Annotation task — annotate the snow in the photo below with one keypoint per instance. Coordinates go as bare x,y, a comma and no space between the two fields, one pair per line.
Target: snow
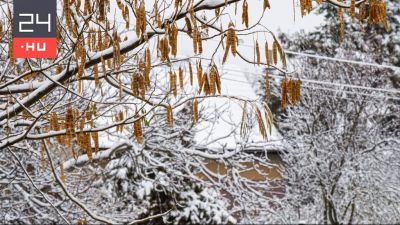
224,131
144,189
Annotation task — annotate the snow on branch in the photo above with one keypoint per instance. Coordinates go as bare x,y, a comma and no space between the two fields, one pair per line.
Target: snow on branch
105,154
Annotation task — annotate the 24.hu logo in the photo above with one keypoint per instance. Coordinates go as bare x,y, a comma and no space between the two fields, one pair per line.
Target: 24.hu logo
34,29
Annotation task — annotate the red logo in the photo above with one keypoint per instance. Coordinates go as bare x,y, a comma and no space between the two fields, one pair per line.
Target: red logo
35,47
34,29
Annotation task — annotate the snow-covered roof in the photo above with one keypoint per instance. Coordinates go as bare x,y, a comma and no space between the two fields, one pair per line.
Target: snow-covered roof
224,130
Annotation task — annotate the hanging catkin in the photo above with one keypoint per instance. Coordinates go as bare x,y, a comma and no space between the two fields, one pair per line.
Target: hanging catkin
284,87
352,11
188,25
281,54
199,74
266,4
42,156
257,49
267,55
275,52
170,117
199,43
206,85
147,69
212,81
54,123
231,42
101,10
96,75
194,39
195,111
140,19
233,39
261,125
120,119
87,8
190,73
180,71
172,82
138,130
69,124
173,39
245,14
218,80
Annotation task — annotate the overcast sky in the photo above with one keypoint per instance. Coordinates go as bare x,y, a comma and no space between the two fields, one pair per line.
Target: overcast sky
281,16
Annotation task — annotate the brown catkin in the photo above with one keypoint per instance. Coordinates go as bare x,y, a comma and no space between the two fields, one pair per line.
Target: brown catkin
140,19
217,79
195,111
233,39
69,124
42,155
147,69
195,42
173,39
212,81
284,87
267,55
298,90
199,43
275,52
172,82
281,54
120,119
352,11
87,9
199,75
101,9
341,23
170,116
54,123
89,118
177,4
164,49
257,49
245,14
231,42
188,25
261,125
180,78
190,73
138,130
266,4
96,76
206,85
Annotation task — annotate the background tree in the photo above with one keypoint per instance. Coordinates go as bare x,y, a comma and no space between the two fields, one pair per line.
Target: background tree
343,137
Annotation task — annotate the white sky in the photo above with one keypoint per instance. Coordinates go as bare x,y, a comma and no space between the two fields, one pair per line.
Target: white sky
281,16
